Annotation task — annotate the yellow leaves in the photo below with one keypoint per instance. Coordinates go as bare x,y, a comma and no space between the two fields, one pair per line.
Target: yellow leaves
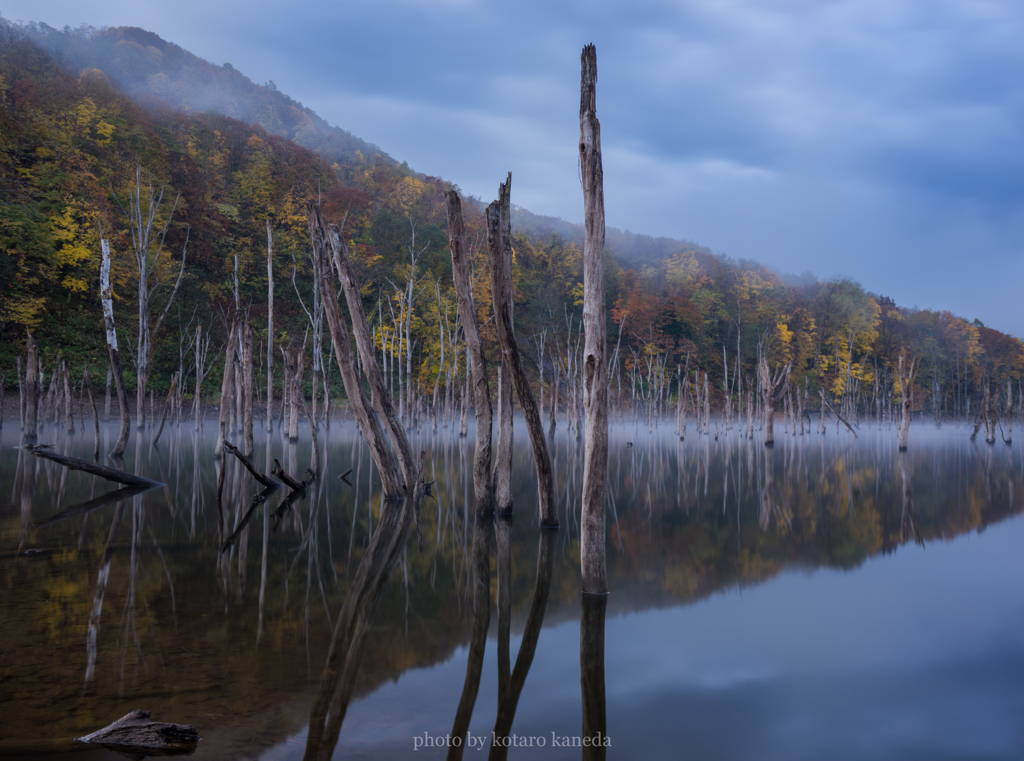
26,310
784,336
576,294
105,132
69,230
683,269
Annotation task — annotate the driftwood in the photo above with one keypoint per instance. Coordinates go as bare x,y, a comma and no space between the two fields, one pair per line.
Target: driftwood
268,482
111,474
138,733
595,360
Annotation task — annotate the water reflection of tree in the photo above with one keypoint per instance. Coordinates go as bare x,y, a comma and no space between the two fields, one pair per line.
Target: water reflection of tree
354,619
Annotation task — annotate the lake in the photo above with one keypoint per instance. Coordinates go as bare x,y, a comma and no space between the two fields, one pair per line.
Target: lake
826,598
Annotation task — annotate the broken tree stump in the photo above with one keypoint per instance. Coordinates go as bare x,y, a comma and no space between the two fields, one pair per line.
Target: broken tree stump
137,732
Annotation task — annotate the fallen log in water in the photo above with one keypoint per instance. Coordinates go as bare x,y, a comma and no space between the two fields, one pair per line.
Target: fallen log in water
111,474
135,732
268,482
290,482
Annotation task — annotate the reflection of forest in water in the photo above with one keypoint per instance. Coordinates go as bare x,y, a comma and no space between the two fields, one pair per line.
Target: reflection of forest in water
131,604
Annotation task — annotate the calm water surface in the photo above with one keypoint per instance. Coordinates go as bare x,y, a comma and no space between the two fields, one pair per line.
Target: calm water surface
825,599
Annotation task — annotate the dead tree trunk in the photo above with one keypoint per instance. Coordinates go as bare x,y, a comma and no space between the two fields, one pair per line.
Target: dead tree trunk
499,238
167,407
391,478
906,373
595,375
270,330
483,484
106,297
95,415
247,400
69,420
31,389
227,384
772,389
501,277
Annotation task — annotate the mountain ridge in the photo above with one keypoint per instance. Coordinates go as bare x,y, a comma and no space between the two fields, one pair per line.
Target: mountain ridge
147,66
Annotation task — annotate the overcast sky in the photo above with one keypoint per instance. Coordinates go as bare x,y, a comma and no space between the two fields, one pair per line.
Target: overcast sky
877,139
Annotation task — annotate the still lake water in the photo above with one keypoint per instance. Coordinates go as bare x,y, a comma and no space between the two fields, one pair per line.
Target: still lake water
824,599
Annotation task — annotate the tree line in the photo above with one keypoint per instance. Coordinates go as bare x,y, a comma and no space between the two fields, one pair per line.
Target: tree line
223,194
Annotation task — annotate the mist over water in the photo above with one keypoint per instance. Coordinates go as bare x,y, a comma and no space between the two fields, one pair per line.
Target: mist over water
827,597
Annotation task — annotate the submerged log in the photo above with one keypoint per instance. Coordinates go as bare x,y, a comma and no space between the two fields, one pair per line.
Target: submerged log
136,731
111,474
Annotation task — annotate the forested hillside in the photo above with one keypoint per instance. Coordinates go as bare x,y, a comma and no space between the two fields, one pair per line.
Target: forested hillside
71,140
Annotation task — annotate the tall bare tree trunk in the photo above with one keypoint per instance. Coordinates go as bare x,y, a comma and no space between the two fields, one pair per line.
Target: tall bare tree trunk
595,375
483,484
115,358
499,238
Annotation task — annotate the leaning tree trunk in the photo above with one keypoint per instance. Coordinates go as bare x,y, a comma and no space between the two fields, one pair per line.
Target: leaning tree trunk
499,238
595,376
365,346
369,424
483,484
115,358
